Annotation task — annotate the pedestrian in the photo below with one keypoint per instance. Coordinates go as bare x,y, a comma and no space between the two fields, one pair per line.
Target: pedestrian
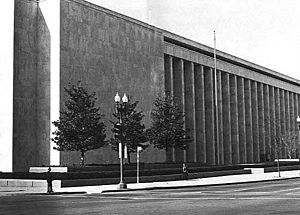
49,181
185,172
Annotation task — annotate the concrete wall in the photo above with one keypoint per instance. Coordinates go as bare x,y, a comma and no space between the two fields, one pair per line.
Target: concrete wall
31,98
6,85
110,53
254,104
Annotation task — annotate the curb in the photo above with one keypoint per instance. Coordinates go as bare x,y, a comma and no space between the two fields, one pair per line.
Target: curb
57,193
191,186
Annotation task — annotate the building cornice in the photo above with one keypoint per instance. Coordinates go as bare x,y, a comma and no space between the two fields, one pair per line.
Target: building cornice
194,46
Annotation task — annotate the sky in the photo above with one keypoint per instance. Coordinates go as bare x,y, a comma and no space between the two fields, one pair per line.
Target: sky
264,32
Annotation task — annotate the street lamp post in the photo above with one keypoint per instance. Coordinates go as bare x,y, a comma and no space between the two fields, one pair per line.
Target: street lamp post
120,110
298,125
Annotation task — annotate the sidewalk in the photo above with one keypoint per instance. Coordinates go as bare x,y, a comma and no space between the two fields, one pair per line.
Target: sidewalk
221,180
231,179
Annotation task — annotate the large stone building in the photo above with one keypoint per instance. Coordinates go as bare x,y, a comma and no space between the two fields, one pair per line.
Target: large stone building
60,42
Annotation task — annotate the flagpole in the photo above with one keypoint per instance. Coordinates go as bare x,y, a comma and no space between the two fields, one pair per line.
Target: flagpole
216,100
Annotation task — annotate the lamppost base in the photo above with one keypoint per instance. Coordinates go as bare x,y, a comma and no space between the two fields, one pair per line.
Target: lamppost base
122,186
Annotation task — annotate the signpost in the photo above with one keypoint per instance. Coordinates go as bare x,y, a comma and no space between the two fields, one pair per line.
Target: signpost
139,149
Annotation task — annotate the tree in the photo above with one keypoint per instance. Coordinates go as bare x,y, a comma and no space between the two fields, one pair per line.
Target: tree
285,140
288,142
80,126
167,129
133,132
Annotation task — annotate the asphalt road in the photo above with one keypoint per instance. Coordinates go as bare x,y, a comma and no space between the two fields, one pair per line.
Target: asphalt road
276,197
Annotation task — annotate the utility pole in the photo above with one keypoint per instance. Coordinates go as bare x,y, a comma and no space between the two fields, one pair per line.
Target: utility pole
216,99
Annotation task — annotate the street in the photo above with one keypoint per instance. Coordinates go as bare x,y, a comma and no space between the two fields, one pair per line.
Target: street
274,197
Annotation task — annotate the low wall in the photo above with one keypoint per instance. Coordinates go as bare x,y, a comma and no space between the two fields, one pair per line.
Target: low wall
28,183
255,170
45,169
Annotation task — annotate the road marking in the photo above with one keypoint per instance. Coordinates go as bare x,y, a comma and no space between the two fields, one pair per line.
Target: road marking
291,189
261,187
250,188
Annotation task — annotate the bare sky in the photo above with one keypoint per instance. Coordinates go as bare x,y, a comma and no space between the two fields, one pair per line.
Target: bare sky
265,32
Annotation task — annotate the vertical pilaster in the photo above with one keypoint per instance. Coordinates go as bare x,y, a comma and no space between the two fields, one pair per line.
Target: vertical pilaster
209,115
178,96
272,121
248,118
241,120
234,118
261,122
189,98
168,68
296,115
292,114
200,114
277,122
295,109
255,132
298,95
226,118
267,122
287,118
220,118
298,98
292,124
282,120
287,110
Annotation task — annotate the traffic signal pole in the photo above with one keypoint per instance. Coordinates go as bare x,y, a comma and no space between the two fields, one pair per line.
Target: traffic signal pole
120,109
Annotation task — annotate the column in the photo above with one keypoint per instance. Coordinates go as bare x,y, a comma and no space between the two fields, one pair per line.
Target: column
261,122
234,119
255,132
293,127
200,114
277,122
267,122
298,98
178,85
168,68
272,121
298,95
287,120
226,118
189,98
216,116
241,120
220,118
248,117
209,115
282,120
296,113
295,108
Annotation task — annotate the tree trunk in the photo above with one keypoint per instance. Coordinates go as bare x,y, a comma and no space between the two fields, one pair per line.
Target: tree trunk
128,157
82,158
